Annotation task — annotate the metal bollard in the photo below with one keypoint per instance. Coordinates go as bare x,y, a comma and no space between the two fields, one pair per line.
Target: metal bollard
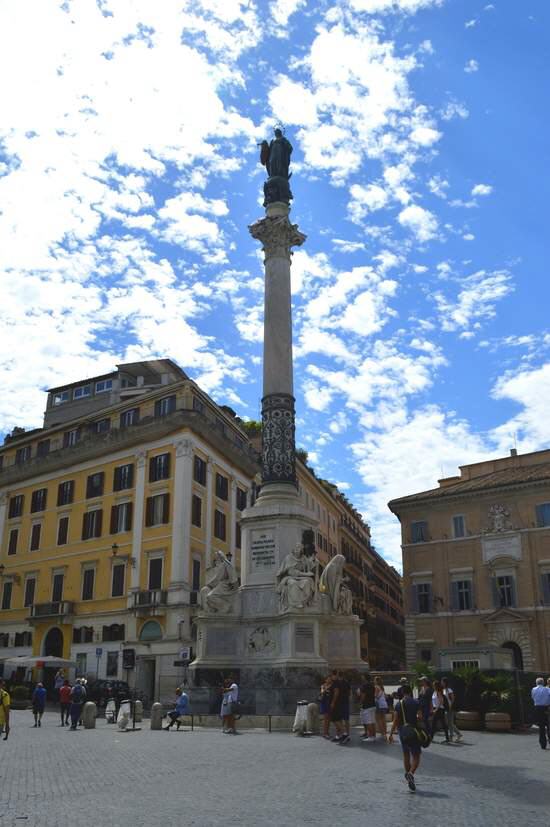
156,716
138,711
89,715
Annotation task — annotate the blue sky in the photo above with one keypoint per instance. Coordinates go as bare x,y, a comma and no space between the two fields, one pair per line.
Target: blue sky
129,174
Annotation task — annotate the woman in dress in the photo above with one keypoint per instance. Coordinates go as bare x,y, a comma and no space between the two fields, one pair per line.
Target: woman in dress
440,706
381,707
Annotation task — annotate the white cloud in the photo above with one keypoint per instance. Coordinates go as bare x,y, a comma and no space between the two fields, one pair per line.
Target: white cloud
482,189
475,301
346,246
425,136
365,200
378,6
471,23
454,109
282,10
471,66
438,186
421,222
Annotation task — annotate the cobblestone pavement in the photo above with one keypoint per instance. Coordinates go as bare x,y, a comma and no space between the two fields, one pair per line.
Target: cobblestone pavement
52,776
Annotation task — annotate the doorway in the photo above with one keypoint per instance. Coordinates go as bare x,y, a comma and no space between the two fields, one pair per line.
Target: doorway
517,655
145,679
52,646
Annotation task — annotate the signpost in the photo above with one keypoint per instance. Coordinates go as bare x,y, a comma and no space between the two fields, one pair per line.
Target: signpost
98,653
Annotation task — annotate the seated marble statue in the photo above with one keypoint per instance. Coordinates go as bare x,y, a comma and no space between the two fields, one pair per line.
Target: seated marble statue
333,582
296,580
221,587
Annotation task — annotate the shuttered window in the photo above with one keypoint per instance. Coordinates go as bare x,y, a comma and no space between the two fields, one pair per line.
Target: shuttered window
157,510
121,518
92,524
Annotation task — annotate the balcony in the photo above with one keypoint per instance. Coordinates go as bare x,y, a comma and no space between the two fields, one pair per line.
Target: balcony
59,610
150,602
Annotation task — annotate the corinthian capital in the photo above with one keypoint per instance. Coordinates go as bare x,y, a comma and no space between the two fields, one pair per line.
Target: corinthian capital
277,235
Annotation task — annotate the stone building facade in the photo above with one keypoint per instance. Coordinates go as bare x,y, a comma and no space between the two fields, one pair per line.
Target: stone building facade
476,566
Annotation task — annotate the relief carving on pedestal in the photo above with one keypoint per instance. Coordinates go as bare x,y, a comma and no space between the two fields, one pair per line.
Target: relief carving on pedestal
260,641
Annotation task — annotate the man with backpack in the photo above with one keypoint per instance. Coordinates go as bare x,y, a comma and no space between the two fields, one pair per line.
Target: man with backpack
406,718
78,696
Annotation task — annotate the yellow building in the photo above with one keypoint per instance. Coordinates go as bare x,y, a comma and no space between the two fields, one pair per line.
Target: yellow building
106,518
476,566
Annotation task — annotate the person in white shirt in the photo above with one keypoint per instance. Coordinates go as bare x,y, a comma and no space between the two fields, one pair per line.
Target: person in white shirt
231,703
541,698
450,713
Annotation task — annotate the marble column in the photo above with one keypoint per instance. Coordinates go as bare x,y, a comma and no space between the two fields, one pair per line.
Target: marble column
139,505
181,521
277,236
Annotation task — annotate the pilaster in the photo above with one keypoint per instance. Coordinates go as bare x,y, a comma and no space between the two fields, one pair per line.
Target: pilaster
181,522
137,535
210,494
3,512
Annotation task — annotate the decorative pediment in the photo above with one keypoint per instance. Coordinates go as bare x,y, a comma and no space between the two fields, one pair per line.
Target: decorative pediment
507,616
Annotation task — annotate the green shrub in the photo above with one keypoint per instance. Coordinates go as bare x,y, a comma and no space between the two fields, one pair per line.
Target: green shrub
20,693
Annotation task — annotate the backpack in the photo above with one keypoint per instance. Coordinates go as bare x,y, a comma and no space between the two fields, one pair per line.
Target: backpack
412,735
77,693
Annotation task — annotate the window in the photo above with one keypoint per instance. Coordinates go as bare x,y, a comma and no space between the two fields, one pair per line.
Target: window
165,406
57,587
102,426
22,639
419,531
130,417
196,576
464,664
157,510
6,594
222,487
426,655
65,493
543,515
16,505
117,585
62,531
91,524
461,595
198,405
83,634
36,530
30,587
94,485
504,591
241,499
81,662
23,455
155,573
238,535
159,467
196,511
61,397
123,477
103,385
82,391
12,544
43,448
71,437
199,470
422,598
38,500
112,665
121,518
459,528
88,578
219,524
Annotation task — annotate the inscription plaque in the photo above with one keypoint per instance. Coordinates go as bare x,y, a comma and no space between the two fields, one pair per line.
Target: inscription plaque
263,547
501,546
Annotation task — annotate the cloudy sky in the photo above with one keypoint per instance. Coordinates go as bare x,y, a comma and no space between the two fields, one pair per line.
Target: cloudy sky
129,174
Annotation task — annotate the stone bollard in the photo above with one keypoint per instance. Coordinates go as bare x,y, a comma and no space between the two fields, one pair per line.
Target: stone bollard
313,718
89,715
138,711
156,716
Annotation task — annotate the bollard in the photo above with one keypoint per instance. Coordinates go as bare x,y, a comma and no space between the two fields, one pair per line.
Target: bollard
138,713
89,715
156,716
313,718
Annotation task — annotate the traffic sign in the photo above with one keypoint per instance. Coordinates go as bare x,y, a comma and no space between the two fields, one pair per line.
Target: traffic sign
98,652
185,653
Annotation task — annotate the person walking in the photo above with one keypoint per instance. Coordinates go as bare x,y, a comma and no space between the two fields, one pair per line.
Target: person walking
181,708
58,682
368,709
440,707
38,703
425,700
5,702
65,702
324,705
345,706
541,698
381,707
450,713
233,705
406,714
336,707
78,696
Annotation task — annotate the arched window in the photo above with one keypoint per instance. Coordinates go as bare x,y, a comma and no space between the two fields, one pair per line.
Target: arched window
151,631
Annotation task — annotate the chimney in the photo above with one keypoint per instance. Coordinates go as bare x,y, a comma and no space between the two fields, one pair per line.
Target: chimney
513,452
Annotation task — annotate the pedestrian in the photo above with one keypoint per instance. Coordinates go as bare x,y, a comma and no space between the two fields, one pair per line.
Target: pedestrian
78,696
541,698
84,685
381,707
450,714
234,704
5,702
367,700
440,707
425,700
336,716
345,688
402,682
406,714
65,702
38,703
58,682
181,708
324,705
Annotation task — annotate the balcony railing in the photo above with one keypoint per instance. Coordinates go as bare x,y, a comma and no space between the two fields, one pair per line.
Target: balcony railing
58,609
150,598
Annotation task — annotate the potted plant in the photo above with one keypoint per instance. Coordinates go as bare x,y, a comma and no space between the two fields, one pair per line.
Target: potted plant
497,699
20,697
473,682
